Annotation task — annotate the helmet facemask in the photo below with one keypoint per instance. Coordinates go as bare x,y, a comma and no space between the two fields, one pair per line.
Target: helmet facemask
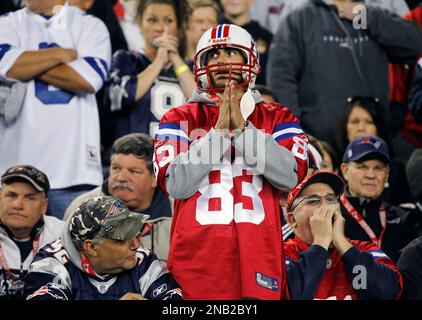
248,70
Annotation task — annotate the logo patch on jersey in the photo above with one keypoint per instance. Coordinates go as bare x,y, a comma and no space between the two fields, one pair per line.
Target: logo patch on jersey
328,264
266,281
92,154
161,289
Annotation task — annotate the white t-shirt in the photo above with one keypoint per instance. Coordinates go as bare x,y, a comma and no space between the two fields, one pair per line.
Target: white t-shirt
57,131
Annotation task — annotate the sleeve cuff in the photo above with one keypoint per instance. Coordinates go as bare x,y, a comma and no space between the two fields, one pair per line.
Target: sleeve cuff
350,256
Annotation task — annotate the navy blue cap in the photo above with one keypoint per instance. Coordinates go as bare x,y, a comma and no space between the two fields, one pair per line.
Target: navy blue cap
364,146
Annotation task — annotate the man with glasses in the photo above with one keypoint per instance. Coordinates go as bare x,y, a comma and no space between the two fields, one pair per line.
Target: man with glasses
366,169
99,257
321,262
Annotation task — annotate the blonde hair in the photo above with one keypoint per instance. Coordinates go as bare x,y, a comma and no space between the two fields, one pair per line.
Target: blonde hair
195,4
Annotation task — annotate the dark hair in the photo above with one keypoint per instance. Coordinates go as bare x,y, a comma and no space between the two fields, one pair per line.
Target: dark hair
263,90
138,144
182,11
377,113
333,154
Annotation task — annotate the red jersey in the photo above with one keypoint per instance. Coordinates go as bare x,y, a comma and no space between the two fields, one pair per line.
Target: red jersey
336,283
226,237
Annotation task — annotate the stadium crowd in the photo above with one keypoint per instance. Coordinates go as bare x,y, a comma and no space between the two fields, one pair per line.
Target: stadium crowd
267,149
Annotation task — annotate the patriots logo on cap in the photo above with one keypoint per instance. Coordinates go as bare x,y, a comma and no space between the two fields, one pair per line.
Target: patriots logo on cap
376,144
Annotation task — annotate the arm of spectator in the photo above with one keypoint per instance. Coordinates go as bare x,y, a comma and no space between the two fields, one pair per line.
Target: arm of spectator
94,55
415,97
17,64
409,265
31,64
262,152
65,77
378,276
305,274
47,279
185,76
284,64
177,159
156,282
281,155
401,39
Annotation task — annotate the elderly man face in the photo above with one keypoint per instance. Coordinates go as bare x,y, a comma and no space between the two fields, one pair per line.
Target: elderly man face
109,256
366,179
131,181
21,207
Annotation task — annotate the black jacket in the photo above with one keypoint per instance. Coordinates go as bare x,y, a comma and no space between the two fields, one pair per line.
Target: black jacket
410,266
400,230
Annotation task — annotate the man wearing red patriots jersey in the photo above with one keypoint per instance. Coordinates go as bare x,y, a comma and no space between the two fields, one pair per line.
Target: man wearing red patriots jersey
224,156
321,262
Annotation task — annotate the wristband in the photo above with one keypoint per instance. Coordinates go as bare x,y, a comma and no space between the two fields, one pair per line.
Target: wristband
181,69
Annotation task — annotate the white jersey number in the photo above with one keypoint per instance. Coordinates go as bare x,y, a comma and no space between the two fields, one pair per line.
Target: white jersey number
164,96
48,94
228,210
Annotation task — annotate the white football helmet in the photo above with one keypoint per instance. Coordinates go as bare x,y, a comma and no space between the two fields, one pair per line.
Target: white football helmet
221,36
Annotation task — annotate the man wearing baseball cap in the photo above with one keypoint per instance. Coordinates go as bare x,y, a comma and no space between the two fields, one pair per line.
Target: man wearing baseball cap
321,262
366,168
24,227
99,257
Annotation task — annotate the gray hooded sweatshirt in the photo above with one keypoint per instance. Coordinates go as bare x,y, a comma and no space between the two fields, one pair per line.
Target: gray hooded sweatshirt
318,60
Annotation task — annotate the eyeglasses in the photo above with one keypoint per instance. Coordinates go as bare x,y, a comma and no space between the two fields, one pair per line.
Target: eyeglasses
372,99
316,200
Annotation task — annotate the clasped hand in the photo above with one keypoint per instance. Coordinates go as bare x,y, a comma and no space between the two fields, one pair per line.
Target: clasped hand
229,116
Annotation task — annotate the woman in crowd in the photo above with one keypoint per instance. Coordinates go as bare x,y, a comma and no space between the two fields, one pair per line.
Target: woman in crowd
365,116
144,85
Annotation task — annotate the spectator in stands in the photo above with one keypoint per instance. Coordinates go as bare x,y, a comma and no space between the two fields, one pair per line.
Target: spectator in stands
308,61
226,174
24,227
404,120
63,57
266,94
321,262
329,158
237,12
410,263
270,13
414,175
100,258
144,85
103,10
132,180
126,13
366,167
315,153
204,14
415,103
364,116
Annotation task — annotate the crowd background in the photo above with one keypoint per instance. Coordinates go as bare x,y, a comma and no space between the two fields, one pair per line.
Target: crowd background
341,82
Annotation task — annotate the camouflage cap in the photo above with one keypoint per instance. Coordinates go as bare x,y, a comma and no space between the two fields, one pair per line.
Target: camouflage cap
107,217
